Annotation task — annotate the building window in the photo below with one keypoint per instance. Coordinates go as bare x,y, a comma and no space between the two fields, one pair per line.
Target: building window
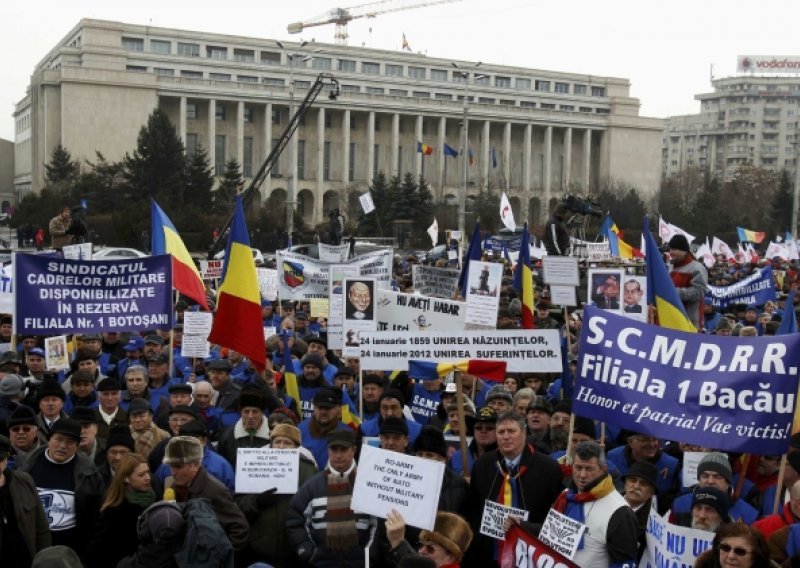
328,119
270,58
443,97
246,55
351,89
326,161
508,102
578,89
504,82
548,106
301,159
602,111
136,68
416,72
321,63
353,122
248,114
598,91
543,86
420,94
347,65
486,100
192,74
370,68
568,108
377,123
163,72
523,84
274,82
438,75
189,49
393,70
220,111
219,154
133,43
191,144
276,117
374,90
160,46
398,93
459,78
351,162
247,157
399,160
585,109
376,151
302,84
483,81
219,76
562,88
216,52
247,78
191,111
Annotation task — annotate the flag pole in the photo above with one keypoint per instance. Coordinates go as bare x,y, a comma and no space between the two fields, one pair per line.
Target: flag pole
462,430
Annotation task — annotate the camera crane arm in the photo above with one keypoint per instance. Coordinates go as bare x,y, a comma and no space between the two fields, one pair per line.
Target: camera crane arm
323,80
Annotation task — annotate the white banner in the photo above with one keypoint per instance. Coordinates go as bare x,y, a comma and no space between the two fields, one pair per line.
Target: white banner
522,349
82,251
768,64
211,269
195,346
359,313
337,273
412,312
483,292
333,253
259,469
268,283
436,282
673,545
197,323
506,213
366,203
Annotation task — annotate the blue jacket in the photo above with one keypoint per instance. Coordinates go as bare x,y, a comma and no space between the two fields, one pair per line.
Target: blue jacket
669,470
317,446
371,428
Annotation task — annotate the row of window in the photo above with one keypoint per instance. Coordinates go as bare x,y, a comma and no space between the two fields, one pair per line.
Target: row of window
23,123
164,47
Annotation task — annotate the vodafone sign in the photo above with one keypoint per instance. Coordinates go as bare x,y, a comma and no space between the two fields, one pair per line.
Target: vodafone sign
768,64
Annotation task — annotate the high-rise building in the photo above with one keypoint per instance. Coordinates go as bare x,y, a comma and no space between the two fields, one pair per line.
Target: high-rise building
534,134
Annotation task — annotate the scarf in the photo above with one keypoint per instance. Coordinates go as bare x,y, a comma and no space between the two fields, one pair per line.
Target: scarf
318,432
144,441
510,494
571,501
340,520
142,499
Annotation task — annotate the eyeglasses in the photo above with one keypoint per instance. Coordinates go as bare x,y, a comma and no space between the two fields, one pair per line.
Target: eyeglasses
484,427
738,551
23,429
426,547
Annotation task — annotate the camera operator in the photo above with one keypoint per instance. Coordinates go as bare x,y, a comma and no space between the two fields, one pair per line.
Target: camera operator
556,236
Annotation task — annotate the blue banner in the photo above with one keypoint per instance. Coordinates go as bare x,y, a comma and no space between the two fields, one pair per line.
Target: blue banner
755,289
513,244
55,296
735,394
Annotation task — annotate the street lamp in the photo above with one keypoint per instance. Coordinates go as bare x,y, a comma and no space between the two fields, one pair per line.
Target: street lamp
292,189
462,198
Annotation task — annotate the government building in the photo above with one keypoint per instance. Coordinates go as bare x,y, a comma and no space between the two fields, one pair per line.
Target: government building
747,119
536,135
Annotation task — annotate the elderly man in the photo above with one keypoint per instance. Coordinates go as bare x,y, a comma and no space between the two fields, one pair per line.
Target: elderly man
499,399
82,392
109,413
69,485
219,375
709,509
138,388
538,419
322,528
145,433
359,305
525,478
640,487
642,447
318,345
611,533
51,406
118,445
372,388
310,381
23,433
190,480
214,463
689,276
89,445
251,430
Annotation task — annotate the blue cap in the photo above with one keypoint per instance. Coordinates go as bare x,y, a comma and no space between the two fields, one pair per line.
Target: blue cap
752,308
266,303
38,351
134,343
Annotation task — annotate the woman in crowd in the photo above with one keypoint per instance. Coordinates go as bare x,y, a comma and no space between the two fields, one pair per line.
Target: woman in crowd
445,545
736,545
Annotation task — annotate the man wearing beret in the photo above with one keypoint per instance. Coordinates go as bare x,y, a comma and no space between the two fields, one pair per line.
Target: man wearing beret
325,418
641,484
689,276
69,486
251,430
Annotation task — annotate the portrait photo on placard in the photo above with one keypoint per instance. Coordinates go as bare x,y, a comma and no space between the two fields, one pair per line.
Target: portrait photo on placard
360,300
634,297
605,287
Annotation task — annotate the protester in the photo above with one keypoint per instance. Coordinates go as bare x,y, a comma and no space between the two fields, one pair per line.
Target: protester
445,545
736,545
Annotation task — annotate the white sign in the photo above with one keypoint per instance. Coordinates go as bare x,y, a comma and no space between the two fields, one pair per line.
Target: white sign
333,253
388,480
634,297
522,349
436,282
561,270
55,352
366,203
337,274
359,313
195,346
412,312
563,295
689,471
197,323
768,64
494,515
595,252
82,251
259,469
211,269
268,283
483,292
671,544
561,533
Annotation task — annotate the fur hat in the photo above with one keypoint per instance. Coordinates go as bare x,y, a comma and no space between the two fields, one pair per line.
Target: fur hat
83,354
431,439
679,242
183,449
253,398
395,394
499,392
718,463
120,436
394,425
50,388
451,532
286,431
585,426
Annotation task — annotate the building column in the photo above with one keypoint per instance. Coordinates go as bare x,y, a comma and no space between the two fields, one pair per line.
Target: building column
567,157
318,199
266,148
240,134
507,155
485,150
370,146
547,169
440,181
587,157
604,163
418,155
395,144
182,121
526,173
212,134
346,147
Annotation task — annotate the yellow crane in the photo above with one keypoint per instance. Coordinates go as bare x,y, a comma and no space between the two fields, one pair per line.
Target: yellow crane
341,16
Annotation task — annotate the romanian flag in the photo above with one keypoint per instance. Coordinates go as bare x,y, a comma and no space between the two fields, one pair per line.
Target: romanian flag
289,378
424,149
237,324
661,292
429,370
523,279
747,236
473,253
349,411
619,248
165,240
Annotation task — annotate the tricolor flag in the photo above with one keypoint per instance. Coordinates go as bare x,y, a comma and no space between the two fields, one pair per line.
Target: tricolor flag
523,279
748,236
619,248
166,240
450,151
349,410
289,378
424,149
484,369
661,292
506,213
237,324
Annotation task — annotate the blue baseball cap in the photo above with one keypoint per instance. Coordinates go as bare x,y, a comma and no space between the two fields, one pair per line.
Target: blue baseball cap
38,351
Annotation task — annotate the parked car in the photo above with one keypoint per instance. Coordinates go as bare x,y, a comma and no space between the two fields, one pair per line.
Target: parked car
258,257
117,253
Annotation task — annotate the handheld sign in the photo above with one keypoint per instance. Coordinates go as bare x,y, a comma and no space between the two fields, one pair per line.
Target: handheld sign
259,469
494,515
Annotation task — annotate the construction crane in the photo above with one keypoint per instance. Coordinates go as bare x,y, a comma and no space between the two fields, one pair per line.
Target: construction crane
340,16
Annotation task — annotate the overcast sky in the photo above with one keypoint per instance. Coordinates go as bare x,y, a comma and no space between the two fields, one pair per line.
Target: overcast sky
665,49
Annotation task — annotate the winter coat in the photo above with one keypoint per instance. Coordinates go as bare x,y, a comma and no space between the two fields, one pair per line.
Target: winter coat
31,519
235,437
115,534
